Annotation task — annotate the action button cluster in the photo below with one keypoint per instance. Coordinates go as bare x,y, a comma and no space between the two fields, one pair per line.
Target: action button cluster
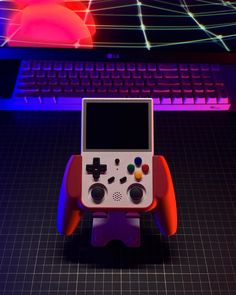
138,174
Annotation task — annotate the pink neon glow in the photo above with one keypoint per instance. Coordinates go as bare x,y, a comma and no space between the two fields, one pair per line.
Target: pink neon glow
51,23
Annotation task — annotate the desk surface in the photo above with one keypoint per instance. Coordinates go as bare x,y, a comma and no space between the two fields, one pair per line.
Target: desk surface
200,259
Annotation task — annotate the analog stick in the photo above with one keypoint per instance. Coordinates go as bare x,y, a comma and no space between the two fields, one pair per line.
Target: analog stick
136,194
97,193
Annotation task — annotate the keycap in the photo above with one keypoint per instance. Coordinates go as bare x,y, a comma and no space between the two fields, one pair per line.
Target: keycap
113,89
72,74
223,100
68,66
62,74
135,90
130,67
188,100
120,66
50,74
47,66
211,100
75,82
79,66
100,67
124,89
46,89
96,82
152,67
52,81
168,67
141,67
83,74
171,75
62,81
117,82
68,89
136,75
108,82
166,100
115,75
146,90
89,66
177,100
94,75
25,65
91,89
200,100
85,82
147,75
139,82
57,89
57,66
28,88
41,81
183,67
129,83
36,65
187,89
110,66
105,75
27,73
194,67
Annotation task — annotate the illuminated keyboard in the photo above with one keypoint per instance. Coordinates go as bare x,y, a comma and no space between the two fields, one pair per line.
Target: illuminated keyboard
60,85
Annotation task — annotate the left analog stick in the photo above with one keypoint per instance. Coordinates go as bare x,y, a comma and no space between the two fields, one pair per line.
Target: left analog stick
98,193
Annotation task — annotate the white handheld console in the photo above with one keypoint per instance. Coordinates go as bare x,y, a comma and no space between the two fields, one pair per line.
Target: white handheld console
117,153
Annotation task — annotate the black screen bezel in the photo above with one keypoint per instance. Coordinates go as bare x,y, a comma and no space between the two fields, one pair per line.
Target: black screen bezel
99,101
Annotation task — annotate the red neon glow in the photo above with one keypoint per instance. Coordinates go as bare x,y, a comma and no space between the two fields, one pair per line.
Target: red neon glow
51,23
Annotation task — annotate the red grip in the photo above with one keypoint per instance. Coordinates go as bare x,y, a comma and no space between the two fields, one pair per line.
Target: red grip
69,214
165,212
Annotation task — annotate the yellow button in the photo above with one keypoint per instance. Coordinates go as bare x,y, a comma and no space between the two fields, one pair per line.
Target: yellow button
138,175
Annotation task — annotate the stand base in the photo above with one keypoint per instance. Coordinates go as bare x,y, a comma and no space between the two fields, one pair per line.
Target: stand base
116,226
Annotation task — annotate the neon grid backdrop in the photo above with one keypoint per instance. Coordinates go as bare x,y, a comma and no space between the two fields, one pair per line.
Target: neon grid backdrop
192,25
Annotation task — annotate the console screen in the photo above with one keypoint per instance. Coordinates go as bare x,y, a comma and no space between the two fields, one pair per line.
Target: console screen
118,126
173,25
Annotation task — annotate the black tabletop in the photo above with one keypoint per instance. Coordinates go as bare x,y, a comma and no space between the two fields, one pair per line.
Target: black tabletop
200,148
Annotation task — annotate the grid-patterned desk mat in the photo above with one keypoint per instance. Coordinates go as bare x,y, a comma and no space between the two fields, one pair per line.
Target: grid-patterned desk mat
35,259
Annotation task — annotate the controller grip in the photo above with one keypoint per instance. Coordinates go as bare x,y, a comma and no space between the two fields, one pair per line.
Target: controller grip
69,214
165,213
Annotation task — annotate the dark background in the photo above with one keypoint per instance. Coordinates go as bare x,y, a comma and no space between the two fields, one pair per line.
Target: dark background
168,27
200,259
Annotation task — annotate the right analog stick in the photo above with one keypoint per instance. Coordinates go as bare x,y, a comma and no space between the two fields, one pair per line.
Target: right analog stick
97,193
136,194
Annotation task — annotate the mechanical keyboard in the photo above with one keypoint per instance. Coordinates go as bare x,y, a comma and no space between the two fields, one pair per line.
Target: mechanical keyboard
60,85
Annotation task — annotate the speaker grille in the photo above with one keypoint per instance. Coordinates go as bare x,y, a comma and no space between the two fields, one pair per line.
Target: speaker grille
117,196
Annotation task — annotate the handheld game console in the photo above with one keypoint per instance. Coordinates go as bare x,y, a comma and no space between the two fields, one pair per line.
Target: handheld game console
117,177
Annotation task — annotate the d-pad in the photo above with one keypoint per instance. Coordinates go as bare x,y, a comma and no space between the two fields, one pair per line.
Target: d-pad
96,168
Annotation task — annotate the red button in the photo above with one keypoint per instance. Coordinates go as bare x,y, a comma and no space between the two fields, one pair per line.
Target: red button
145,168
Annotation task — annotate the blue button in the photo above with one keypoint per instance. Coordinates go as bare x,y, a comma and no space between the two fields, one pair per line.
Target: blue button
138,161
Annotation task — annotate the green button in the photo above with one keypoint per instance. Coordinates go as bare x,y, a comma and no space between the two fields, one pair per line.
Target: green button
130,168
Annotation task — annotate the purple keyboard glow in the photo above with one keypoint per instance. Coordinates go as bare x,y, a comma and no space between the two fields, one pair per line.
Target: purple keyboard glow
57,85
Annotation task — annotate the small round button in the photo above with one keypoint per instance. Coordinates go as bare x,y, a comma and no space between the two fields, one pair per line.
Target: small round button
145,168
117,161
130,168
136,194
97,193
138,175
138,161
